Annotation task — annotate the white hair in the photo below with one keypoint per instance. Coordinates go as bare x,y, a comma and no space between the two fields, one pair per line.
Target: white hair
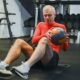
49,7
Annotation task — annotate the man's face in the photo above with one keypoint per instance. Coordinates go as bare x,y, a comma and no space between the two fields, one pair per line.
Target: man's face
49,16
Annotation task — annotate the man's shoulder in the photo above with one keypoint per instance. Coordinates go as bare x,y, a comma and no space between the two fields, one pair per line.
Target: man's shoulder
59,24
40,23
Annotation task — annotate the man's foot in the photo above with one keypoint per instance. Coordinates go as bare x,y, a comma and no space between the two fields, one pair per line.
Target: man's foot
4,73
21,71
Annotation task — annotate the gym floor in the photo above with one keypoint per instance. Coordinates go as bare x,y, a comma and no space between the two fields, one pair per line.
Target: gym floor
71,57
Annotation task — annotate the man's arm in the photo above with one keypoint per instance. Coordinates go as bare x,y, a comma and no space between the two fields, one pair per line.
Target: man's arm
37,35
65,45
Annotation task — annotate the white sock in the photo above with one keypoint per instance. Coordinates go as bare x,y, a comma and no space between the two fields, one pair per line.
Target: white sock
4,64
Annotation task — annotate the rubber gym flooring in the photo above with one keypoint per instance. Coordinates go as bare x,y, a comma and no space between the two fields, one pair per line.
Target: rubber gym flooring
71,57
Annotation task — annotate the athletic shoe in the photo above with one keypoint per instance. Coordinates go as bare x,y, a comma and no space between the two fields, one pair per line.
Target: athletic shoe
20,71
4,70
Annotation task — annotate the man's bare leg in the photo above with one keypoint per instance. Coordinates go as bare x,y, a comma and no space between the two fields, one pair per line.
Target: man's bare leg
38,53
15,51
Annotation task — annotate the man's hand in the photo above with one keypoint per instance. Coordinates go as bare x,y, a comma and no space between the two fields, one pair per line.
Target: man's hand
48,34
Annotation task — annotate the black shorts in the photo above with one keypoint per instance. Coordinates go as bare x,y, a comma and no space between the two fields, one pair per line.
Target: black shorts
51,65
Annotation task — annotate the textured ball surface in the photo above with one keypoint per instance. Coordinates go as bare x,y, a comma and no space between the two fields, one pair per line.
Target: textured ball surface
58,36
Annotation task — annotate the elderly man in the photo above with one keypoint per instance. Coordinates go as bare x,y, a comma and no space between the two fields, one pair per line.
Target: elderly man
46,53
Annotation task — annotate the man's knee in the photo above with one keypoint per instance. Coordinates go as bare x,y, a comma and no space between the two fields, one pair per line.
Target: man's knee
19,42
43,40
